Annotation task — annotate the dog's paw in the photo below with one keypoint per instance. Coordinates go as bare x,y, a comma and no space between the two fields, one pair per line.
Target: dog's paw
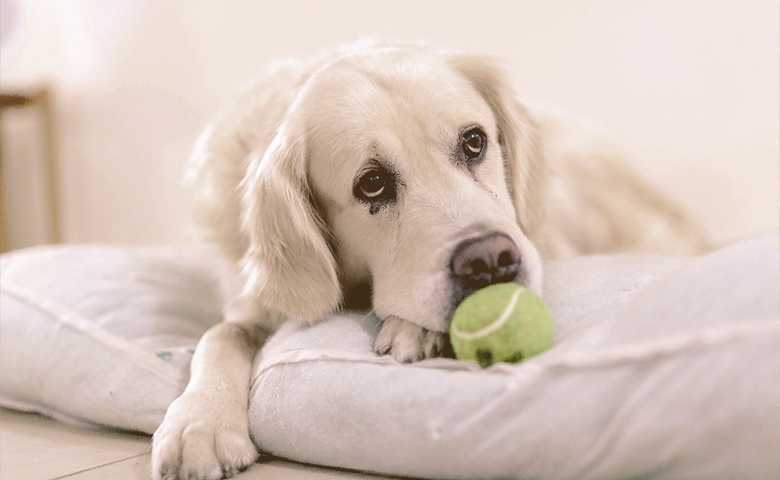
200,439
407,342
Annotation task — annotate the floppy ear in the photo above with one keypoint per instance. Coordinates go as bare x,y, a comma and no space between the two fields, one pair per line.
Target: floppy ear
516,135
288,266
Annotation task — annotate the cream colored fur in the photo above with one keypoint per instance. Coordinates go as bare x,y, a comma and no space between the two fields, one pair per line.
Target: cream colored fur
275,175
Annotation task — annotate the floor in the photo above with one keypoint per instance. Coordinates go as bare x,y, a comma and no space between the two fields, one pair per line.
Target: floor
33,447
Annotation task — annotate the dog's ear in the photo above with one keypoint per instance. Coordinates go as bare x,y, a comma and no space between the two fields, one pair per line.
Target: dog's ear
288,266
516,135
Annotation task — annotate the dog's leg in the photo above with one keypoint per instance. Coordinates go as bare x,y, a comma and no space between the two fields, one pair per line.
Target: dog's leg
205,433
407,342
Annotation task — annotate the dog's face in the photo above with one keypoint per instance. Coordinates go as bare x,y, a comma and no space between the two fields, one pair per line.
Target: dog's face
418,179
405,166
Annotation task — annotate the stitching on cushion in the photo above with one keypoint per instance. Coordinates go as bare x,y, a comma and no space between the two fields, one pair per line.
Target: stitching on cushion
581,358
638,352
75,320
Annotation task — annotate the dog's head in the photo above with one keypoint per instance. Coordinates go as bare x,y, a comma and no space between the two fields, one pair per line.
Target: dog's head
402,168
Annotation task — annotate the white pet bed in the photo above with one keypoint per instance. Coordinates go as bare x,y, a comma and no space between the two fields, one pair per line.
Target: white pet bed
662,368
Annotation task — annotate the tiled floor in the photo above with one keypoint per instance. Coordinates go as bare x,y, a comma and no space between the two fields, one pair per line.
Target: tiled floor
33,447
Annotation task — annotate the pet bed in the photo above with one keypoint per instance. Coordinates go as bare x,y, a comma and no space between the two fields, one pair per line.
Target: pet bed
663,367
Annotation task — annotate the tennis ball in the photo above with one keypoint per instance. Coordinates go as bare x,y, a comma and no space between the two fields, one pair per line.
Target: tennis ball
504,322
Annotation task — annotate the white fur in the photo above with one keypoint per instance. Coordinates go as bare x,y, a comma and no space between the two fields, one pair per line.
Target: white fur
275,174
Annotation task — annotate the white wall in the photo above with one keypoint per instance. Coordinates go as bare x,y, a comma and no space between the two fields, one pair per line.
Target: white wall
694,84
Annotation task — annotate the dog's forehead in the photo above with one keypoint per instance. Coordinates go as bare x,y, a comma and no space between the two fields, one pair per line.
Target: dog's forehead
393,105
371,90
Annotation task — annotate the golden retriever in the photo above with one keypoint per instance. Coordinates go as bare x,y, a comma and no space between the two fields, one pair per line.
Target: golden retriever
396,177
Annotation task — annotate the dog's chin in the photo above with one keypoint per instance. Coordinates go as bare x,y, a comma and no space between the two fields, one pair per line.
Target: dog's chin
436,302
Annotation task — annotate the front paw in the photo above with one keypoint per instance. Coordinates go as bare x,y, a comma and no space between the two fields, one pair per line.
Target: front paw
407,342
202,439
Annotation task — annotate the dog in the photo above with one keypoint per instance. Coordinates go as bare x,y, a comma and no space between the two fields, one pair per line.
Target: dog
396,177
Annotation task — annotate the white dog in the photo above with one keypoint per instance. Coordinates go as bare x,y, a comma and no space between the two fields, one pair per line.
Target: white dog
392,176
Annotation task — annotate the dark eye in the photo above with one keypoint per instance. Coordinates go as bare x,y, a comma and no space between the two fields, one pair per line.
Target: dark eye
473,142
375,186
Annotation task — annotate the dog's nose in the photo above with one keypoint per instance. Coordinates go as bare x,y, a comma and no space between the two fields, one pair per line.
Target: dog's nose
483,261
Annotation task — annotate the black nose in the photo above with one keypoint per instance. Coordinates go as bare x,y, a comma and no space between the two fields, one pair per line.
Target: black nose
483,261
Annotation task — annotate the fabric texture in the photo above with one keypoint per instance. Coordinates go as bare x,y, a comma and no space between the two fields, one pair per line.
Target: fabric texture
102,335
662,367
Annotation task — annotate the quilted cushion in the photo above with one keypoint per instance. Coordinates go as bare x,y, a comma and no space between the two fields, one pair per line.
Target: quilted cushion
662,367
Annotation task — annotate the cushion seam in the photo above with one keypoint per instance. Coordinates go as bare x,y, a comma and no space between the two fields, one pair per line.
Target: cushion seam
65,315
581,358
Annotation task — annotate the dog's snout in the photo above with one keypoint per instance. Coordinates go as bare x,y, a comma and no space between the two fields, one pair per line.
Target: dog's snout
483,261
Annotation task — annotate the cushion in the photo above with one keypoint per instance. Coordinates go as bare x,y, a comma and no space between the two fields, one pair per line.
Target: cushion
662,367
101,334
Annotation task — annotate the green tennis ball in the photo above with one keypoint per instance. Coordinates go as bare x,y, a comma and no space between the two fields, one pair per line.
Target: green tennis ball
504,322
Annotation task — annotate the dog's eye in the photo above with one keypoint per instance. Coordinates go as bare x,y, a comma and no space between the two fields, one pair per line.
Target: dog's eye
473,142
372,185
375,186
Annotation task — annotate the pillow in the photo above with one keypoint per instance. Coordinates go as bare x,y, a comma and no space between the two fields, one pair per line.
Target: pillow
102,334
662,367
